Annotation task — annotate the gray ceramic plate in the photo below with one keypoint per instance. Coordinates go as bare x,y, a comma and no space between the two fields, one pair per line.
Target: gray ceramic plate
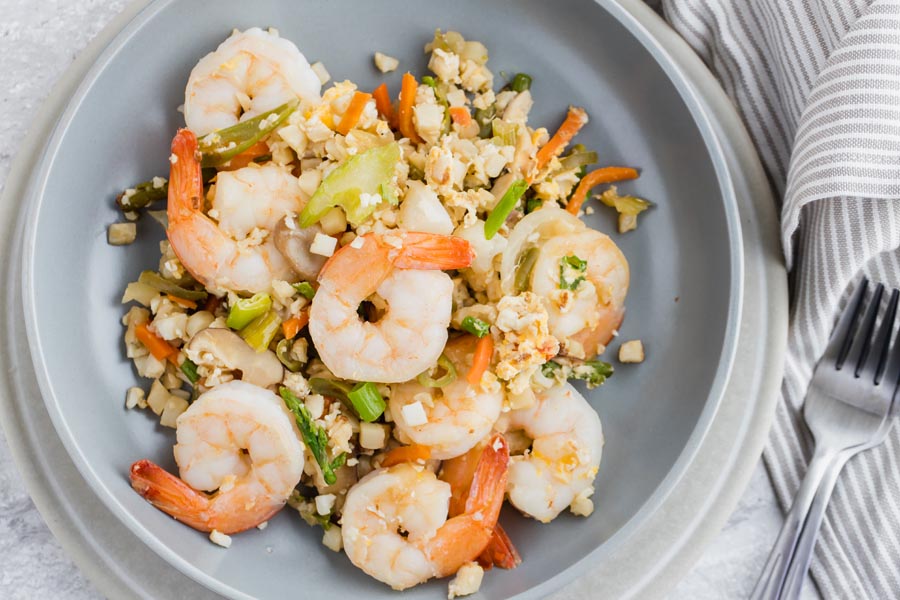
116,131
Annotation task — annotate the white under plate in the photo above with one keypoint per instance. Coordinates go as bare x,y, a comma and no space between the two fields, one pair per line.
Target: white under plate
646,565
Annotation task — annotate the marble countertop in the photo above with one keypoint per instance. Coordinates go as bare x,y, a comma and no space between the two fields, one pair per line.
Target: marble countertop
38,41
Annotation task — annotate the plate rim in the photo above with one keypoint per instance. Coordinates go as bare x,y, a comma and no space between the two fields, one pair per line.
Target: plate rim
661,492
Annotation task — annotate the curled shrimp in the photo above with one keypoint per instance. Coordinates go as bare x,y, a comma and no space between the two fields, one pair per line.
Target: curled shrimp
236,253
251,72
403,270
459,414
395,523
564,456
585,319
238,439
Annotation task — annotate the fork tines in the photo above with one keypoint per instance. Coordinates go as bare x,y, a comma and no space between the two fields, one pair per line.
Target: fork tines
852,341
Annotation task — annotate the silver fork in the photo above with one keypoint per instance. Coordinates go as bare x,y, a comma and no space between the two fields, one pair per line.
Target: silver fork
848,409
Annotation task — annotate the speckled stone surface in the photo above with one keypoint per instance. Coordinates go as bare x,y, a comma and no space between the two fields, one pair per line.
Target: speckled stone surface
38,41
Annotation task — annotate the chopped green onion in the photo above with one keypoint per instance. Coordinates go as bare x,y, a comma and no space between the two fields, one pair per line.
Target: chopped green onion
484,117
142,195
262,330
157,281
506,205
577,159
443,363
189,368
333,388
571,272
504,132
306,289
221,146
367,401
475,326
532,204
246,309
521,82
524,268
429,81
594,372
283,352
314,436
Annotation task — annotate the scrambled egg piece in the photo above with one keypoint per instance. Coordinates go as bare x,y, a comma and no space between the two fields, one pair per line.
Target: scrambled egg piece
524,343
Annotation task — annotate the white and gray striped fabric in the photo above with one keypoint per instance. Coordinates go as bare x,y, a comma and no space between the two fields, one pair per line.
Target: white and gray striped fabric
818,85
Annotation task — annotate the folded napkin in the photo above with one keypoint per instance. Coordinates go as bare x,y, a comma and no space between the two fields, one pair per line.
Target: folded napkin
817,83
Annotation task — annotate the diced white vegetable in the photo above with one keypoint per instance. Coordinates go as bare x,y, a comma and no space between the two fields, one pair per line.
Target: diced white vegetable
140,293
149,366
158,397
121,234
386,63
631,352
429,119
135,398
334,221
174,407
421,210
445,65
321,72
332,538
315,404
220,539
323,245
309,181
198,321
414,414
324,503
372,436
172,326
518,108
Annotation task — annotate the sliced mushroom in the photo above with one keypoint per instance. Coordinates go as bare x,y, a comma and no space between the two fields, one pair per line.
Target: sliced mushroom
294,242
259,368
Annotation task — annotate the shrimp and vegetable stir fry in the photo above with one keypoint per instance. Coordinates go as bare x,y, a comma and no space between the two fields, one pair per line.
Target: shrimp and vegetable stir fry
369,306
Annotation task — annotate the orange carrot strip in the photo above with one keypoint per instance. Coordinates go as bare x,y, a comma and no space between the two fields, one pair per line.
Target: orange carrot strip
460,115
576,118
182,301
353,113
402,454
246,157
292,326
383,104
405,110
158,347
595,178
482,359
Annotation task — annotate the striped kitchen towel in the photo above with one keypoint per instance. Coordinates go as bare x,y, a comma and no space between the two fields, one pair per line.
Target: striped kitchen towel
818,85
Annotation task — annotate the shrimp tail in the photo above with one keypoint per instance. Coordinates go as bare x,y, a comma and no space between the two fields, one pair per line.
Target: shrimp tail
433,251
464,537
500,551
185,176
170,494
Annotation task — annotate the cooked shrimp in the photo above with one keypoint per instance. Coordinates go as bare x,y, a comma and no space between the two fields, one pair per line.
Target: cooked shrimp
238,439
564,456
584,320
236,253
459,414
403,269
248,74
395,525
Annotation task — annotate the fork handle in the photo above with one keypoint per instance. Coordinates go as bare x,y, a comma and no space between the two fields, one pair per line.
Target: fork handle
770,582
803,552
